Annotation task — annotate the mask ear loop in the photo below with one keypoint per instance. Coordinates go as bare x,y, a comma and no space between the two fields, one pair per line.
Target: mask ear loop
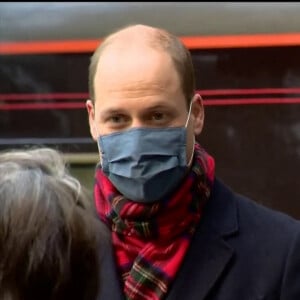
192,156
186,123
98,144
189,114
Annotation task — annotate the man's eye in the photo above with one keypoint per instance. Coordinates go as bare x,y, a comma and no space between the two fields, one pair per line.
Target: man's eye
117,119
157,116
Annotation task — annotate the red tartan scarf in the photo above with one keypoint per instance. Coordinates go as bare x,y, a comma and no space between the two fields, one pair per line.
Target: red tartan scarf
150,240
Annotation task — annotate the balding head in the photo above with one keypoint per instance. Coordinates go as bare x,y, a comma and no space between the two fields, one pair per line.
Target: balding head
139,37
138,34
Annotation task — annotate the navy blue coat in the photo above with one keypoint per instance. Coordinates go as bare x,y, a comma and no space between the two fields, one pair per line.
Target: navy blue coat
240,251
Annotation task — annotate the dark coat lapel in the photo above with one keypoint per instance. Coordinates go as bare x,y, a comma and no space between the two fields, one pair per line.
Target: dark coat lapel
109,285
209,254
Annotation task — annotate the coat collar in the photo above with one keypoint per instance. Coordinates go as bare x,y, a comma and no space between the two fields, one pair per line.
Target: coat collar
221,212
209,253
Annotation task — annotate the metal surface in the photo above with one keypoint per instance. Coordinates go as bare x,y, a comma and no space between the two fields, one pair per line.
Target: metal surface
76,20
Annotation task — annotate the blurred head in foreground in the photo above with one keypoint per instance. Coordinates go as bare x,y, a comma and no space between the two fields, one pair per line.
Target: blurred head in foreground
48,230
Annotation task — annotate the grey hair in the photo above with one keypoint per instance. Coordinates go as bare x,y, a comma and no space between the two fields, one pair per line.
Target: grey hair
40,162
47,228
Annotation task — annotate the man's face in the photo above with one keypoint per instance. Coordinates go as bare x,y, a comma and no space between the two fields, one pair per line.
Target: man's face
139,87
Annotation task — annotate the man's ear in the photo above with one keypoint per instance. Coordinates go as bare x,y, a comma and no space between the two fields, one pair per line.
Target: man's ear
198,114
91,114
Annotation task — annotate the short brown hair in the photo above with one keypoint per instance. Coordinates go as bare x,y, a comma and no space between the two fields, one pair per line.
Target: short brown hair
161,40
48,229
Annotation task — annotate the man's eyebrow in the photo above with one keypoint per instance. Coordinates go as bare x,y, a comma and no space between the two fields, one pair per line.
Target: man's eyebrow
150,108
112,111
159,106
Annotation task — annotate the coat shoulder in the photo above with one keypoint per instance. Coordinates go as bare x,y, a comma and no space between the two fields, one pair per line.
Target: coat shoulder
233,210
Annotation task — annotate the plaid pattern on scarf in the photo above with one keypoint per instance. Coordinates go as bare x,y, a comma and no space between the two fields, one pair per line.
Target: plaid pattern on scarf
151,240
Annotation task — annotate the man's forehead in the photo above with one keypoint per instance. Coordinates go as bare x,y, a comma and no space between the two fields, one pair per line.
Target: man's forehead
124,50
135,67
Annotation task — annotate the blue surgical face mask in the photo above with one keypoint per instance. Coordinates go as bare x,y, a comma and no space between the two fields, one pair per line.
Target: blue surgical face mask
145,164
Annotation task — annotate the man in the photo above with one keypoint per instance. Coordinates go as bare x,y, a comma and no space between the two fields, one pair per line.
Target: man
177,231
